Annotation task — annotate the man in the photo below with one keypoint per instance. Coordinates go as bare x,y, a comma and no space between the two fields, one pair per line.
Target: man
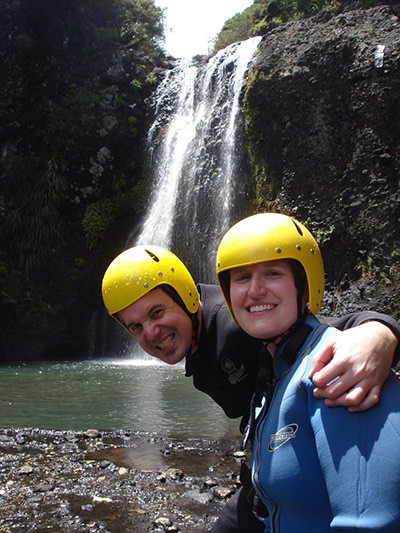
150,292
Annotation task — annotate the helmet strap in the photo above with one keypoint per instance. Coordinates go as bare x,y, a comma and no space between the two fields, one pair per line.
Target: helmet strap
282,337
195,332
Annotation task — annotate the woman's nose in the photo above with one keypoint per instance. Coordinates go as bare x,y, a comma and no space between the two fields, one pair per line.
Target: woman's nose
257,286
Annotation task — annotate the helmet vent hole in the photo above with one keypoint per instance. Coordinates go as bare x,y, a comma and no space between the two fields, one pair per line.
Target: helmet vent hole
298,228
153,256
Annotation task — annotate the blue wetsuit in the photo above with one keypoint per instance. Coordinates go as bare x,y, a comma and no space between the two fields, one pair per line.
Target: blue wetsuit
320,469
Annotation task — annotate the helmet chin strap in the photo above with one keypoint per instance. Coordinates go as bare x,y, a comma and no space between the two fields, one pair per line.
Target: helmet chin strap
289,332
195,334
195,331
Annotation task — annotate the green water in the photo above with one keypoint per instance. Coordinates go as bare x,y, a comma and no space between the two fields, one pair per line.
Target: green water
134,395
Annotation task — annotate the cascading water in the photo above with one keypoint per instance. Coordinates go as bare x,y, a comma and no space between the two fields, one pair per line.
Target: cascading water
198,171
195,157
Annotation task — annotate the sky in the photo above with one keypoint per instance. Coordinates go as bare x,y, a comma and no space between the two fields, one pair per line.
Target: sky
191,25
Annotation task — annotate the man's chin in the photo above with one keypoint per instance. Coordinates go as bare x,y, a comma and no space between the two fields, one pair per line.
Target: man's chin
172,360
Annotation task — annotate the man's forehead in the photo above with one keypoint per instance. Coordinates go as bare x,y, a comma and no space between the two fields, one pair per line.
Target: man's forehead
151,298
147,302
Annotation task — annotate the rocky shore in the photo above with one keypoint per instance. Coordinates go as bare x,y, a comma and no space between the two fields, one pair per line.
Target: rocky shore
114,481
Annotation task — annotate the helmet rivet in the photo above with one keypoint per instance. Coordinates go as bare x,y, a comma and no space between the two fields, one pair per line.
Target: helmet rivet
172,269
278,250
145,284
298,247
159,273
312,251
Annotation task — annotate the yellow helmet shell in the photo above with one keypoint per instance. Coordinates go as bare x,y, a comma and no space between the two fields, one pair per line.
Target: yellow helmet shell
140,269
268,237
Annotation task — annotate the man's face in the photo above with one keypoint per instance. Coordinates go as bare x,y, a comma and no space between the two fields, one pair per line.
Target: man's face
160,325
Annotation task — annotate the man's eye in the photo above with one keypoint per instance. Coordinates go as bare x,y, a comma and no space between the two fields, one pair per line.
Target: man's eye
157,313
135,329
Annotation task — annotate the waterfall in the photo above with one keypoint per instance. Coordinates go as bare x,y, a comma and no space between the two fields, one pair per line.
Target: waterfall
196,161
197,168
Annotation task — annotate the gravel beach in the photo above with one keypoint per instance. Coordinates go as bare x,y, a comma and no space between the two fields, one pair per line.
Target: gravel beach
63,481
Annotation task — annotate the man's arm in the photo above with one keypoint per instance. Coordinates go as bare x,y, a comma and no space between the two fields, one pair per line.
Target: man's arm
352,365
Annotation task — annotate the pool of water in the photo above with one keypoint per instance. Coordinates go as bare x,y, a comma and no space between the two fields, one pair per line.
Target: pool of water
128,394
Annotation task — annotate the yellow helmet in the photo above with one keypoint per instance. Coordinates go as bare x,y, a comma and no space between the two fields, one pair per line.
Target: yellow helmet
138,270
267,237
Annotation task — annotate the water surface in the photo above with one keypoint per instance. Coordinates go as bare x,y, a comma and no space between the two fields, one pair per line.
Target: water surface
136,395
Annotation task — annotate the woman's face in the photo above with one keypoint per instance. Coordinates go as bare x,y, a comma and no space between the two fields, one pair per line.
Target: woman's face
264,298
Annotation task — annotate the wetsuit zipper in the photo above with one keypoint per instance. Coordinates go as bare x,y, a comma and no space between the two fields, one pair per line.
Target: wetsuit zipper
258,431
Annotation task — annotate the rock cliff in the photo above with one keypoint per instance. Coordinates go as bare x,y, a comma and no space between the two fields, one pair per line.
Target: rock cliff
323,128
322,120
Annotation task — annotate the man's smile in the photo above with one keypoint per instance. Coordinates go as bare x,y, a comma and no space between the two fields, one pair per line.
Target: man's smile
166,342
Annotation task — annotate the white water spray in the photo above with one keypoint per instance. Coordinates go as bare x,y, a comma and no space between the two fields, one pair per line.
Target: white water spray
195,159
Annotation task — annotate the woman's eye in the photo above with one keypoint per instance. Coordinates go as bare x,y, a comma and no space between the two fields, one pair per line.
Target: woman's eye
241,277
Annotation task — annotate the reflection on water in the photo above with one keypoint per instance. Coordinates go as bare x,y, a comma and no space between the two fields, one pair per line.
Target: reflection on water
135,395
148,456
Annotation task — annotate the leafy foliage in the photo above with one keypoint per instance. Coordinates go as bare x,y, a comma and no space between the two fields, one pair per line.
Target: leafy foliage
55,60
34,221
263,15
25,311
101,216
142,25
98,217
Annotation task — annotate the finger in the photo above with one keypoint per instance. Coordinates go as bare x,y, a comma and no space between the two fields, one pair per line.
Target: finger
335,379
371,399
359,398
349,399
321,358
340,376
326,378
341,388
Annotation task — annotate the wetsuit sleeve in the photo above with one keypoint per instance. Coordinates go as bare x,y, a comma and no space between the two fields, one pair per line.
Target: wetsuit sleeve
355,319
359,455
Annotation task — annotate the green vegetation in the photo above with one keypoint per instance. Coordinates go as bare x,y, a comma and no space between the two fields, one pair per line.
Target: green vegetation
23,308
101,216
322,235
33,217
61,206
265,182
141,25
55,213
264,15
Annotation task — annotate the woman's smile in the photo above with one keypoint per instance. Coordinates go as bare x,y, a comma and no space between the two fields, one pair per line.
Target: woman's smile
264,298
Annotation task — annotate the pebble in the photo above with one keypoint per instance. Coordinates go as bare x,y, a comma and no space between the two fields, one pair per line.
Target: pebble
96,481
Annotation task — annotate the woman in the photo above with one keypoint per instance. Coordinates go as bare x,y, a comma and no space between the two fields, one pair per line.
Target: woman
315,468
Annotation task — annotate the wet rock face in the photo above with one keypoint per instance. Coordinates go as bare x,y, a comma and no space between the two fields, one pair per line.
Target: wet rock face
114,481
325,127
